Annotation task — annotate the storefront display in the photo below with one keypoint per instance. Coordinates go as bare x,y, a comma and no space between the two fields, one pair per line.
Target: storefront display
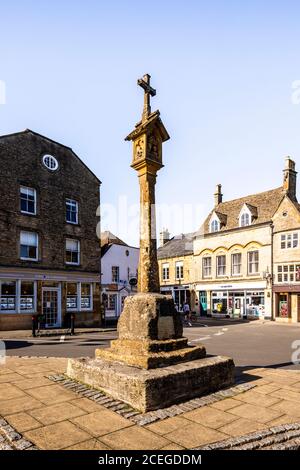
238,304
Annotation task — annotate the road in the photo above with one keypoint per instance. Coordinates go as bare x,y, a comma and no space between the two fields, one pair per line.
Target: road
253,344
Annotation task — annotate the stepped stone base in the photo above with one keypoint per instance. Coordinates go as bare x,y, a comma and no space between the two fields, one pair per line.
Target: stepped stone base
151,354
151,389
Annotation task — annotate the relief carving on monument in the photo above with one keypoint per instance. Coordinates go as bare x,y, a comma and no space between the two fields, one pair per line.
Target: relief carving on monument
153,147
139,149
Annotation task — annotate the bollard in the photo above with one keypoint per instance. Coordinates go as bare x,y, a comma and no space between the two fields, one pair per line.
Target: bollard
33,326
72,324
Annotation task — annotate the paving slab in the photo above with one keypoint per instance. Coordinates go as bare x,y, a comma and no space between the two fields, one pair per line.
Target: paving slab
57,436
23,422
56,413
101,422
194,435
256,413
168,425
135,438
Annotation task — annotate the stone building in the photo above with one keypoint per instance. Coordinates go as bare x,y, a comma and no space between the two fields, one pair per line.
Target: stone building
49,250
245,259
175,260
233,259
286,252
119,266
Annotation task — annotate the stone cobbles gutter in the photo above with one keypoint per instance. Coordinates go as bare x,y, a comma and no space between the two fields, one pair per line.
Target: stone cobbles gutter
284,437
142,419
12,440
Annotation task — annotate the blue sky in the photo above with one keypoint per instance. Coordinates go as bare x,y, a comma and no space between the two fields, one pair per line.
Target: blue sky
223,70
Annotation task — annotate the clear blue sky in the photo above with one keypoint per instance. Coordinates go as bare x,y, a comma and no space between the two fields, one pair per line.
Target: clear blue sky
223,72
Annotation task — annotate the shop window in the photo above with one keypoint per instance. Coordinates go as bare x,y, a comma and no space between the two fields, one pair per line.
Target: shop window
206,266
28,200
221,265
283,309
253,262
86,296
72,296
72,251
165,271
236,264
179,270
29,246
8,295
27,297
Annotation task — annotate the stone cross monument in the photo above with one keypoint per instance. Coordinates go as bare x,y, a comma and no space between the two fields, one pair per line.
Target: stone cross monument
151,365
148,137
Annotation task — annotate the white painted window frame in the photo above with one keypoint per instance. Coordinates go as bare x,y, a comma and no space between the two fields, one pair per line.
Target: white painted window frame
35,200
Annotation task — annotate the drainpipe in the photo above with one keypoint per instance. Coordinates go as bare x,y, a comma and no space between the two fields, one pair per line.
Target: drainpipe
272,271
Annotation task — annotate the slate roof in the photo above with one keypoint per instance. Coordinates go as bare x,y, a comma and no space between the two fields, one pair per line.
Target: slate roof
180,245
262,206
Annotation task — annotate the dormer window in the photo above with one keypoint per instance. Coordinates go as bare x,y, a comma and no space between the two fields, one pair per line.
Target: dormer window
245,219
214,226
247,215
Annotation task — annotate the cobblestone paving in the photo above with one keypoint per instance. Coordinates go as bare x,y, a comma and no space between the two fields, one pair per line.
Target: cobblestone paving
12,440
39,413
285,437
142,419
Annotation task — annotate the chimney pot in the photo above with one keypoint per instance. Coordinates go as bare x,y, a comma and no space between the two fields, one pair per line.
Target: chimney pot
290,178
218,195
164,236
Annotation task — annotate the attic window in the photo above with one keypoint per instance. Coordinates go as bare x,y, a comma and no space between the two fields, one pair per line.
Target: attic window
245,219
214,226
50,162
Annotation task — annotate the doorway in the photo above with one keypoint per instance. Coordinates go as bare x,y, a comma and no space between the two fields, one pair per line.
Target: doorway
51,306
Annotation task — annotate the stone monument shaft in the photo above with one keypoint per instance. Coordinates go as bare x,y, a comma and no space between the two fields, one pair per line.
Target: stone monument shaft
147,138
151,365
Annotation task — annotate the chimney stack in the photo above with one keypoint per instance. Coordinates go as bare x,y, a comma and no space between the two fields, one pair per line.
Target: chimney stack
164,236
218,195
290,179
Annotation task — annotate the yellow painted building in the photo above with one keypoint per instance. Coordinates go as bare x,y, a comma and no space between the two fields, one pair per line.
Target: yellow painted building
245,259
286,250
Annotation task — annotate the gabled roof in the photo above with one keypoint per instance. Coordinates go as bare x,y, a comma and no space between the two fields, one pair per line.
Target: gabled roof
108,238
152,120
262,206
222,217
29,131
180,245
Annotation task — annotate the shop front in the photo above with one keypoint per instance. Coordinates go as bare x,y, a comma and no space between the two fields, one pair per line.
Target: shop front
180,294
229,301
50,297
287,303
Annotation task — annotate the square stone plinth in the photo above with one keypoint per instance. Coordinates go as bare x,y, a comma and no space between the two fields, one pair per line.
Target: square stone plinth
147,390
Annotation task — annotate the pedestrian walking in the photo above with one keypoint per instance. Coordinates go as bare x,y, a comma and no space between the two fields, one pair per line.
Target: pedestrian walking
187,314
